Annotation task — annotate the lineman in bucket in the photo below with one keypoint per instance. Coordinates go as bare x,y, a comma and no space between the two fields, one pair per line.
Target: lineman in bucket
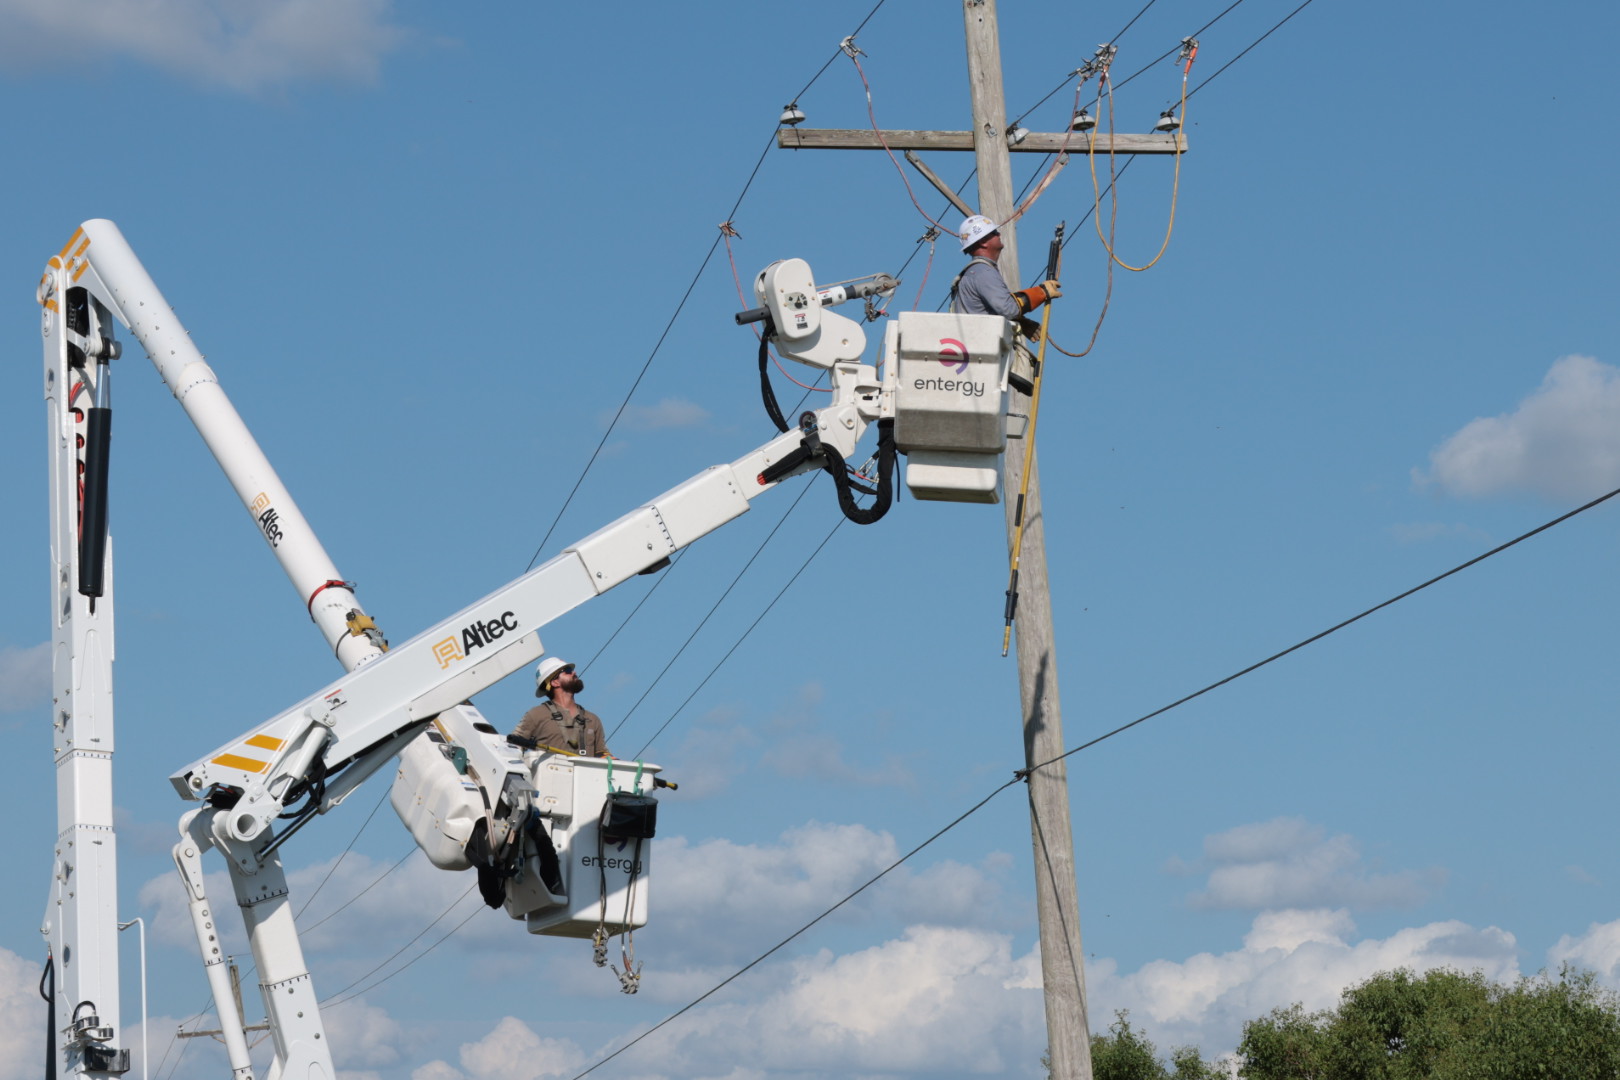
980,290
560,722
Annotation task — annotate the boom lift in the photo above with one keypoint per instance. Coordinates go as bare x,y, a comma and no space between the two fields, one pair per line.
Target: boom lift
532,821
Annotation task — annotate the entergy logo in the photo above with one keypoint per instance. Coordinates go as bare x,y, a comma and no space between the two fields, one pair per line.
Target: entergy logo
954,352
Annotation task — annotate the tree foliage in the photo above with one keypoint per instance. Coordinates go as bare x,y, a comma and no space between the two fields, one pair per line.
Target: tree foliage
1444,1025
1127,1054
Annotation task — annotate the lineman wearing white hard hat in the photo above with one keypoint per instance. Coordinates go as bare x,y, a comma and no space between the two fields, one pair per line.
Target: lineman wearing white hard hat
980,290
559,722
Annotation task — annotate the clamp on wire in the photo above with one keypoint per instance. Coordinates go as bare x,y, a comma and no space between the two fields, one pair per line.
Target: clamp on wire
1189,53
1099,63
849,48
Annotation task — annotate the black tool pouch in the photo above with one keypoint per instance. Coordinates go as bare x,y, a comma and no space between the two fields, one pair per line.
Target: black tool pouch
629,817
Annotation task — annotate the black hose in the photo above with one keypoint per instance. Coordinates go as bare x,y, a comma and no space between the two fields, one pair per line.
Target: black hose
766,391
834,464
93,522
49,975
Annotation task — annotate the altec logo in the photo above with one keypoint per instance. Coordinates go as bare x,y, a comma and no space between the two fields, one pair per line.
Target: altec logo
953,353
269,520
473,636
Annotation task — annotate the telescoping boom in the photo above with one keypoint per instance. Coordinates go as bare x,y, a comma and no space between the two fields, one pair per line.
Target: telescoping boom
532,816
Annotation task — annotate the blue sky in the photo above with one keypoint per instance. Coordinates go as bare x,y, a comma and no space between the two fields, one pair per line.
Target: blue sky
429,253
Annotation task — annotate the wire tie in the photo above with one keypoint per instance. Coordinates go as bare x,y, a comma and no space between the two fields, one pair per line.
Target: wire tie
849,49
728,229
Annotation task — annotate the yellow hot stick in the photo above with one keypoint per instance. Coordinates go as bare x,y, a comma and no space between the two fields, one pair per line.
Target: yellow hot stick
1029,455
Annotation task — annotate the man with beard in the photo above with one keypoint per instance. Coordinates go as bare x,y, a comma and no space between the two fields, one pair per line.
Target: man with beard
560,722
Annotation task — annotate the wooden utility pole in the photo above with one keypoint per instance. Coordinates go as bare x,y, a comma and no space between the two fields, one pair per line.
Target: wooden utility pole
1062,970
1068,1034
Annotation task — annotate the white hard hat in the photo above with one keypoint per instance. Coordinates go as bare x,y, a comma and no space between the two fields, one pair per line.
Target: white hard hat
976,228
542,674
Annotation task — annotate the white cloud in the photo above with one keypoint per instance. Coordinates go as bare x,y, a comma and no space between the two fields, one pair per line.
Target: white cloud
1563,441
1287,956
22,1018
946,997
1597,950
362,1036
718,901
512,1051
244,45
936,1002
1290,863
668,413
25,677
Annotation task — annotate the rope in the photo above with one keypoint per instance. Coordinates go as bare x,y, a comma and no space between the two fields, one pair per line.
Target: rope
1060,159
931,236
727,231
1175,188
854,55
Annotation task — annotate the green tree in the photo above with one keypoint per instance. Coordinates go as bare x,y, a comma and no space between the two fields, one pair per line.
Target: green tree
1286,1044
1127,1054
1445,1025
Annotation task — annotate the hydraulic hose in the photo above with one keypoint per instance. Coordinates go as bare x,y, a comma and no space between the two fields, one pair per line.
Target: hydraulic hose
93,520
48,978
766,392
833,462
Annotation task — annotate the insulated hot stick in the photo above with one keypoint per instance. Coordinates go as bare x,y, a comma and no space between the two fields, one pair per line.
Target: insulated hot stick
1054,261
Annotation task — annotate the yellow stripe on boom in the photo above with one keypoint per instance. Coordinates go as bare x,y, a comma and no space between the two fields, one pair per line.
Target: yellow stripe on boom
67,247
232,761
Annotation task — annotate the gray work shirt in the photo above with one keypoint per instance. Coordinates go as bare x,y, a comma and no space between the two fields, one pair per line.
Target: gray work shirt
980,290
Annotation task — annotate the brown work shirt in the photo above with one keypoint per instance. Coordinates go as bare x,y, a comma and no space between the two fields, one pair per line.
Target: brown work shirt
549,724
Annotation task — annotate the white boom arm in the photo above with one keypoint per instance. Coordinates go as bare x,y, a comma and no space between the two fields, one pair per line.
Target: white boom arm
317,752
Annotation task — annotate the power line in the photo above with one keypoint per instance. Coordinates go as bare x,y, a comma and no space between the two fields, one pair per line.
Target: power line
1021,774
717,987
838,52
377,881
663,577
447,935
712,609
332,998
1112,41
639,376
1330,630
1240,55
760,161
1122,169
340,859
744,636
